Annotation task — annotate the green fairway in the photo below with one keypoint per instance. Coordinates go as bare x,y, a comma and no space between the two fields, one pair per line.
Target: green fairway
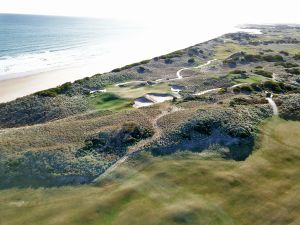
251,79
109,101
132,91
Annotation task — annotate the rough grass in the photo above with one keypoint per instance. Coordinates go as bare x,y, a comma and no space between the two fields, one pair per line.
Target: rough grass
178,189
222,51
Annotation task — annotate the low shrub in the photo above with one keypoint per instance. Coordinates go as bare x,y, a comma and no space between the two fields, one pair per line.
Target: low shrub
263,73
237,72
115,142
256,87
284,53
130,66
172,55
297,56
273,58
168,61
191,60
141,69
277,87
286,64
52,92
237,89
295,71
246,88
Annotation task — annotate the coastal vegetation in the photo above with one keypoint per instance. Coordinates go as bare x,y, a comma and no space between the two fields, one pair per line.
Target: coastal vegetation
264,73
178,189
202,147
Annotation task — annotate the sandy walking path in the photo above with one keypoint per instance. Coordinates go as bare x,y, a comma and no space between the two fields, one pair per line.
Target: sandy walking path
141,144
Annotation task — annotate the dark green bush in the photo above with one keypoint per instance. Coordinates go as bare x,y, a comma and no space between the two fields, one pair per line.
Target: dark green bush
52,92
256,87
273,58
263,73
172,55
274,86
246,88
237,72
191,60
130,66
297,56
295,71
168,61
237,89
284,53
116,70
115,142
286,64
141,69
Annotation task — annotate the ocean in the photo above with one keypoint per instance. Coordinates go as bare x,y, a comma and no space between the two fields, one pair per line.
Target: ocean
31,44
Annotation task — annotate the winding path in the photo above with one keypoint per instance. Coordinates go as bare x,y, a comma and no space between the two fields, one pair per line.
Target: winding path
217,89
273,105
141,144
179,76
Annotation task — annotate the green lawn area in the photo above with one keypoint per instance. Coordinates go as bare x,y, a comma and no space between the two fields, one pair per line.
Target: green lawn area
108,101
225,50
253,78
178,189
133,91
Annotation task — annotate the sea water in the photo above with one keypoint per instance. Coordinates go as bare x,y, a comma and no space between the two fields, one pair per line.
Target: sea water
31,44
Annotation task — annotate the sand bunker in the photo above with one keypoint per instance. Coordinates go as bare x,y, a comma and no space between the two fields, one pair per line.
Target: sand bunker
98,91
176,88
129,83
152,98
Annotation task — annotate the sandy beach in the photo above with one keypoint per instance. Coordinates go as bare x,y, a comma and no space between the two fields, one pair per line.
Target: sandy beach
120,54
11,89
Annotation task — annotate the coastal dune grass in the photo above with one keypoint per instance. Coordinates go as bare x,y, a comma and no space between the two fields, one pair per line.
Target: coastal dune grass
183,188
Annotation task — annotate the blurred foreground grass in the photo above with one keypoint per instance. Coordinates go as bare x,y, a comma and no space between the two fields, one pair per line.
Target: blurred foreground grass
178,189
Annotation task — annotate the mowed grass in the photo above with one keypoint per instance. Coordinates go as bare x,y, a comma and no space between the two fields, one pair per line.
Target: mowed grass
109,101
178,189
133,91
251,79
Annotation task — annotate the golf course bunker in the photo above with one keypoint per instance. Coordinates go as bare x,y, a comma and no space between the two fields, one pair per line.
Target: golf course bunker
176,88
152,98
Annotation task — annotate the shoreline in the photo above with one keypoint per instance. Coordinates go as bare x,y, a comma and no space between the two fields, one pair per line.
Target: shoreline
20,86
11,89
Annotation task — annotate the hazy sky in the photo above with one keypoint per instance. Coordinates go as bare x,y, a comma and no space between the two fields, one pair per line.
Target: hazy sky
165,11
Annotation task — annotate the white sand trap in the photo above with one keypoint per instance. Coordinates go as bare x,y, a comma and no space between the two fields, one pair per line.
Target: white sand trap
98,91
129,82
150,99
142,102
159,98
176,88
207,91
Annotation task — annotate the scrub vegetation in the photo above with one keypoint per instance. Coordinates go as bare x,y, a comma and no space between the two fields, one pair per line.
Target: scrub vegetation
221,148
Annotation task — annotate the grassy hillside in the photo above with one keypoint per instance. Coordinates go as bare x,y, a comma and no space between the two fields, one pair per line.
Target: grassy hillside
169,163
178,189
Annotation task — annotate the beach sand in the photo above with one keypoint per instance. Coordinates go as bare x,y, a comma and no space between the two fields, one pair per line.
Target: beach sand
11,89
